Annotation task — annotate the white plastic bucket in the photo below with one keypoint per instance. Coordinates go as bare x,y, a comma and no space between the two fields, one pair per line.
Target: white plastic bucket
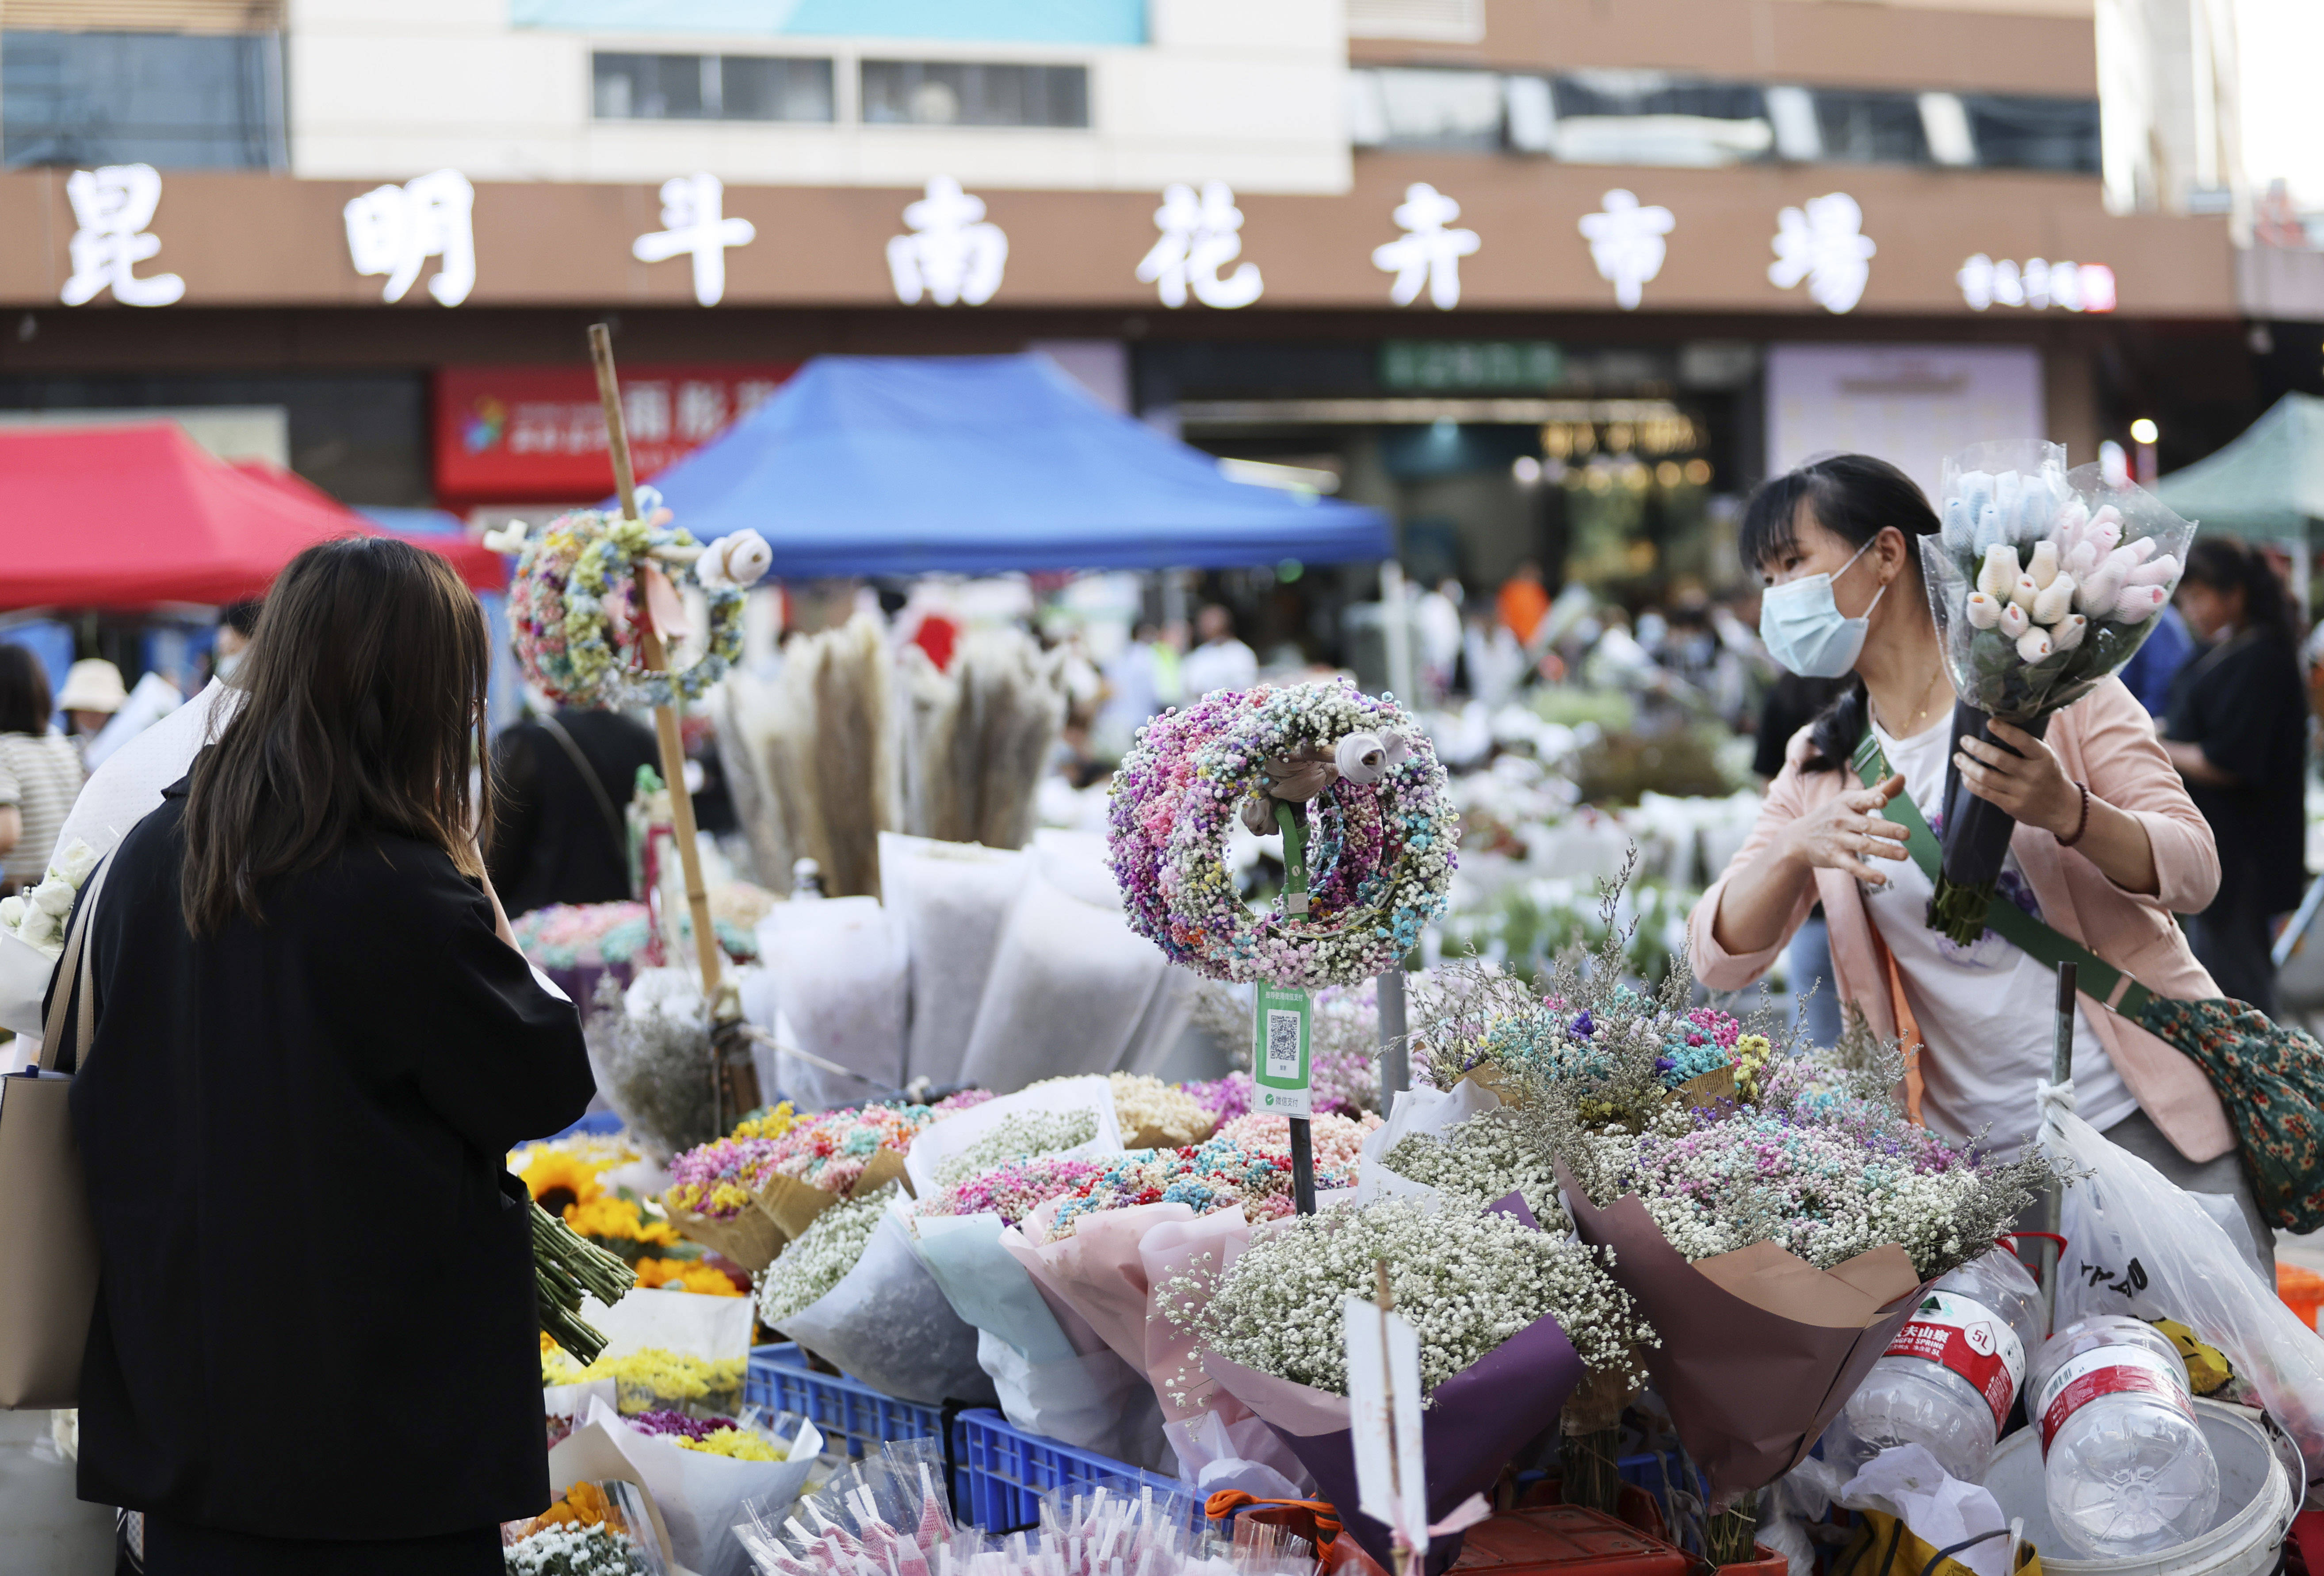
2256,1504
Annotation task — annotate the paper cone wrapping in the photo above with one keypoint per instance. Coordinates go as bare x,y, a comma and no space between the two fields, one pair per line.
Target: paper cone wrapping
1475,1422
752,1239
793,1205
1097,1270
1173,1364
1759,1349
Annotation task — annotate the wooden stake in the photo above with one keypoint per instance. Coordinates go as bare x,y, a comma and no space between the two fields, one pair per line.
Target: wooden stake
650,645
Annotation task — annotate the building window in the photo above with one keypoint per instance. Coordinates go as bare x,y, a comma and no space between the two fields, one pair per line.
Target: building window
1648,117
177,101
1870,128
2035,133
711,88
943,93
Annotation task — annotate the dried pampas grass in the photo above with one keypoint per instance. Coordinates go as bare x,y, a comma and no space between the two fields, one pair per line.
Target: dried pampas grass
980,735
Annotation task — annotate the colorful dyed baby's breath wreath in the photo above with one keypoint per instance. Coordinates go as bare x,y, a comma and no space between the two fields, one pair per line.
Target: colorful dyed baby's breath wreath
1380,844
573,612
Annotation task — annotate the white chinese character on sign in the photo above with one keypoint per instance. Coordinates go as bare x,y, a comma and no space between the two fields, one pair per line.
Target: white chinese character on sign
701,411
645,412
1199,237
394,229
1626,243
692,216
1823,242
1427,252
952,253
111,209
2073,287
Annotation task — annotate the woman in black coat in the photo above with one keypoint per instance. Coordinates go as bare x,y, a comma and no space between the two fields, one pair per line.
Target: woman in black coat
315,1346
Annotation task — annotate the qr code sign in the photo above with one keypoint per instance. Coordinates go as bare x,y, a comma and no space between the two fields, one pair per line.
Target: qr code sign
1282,1044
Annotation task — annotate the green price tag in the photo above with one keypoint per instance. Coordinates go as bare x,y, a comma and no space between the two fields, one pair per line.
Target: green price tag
1279,1053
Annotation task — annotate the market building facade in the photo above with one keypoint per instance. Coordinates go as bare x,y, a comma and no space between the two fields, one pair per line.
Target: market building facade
1551,280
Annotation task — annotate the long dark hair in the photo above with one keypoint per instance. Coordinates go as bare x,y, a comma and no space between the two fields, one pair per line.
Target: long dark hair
2224,563
25,704
366,709
1855,497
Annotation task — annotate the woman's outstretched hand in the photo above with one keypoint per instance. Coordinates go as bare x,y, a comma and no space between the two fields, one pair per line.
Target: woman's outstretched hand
2030,785
1845,831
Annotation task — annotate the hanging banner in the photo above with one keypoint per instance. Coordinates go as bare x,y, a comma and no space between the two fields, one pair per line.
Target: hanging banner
537,433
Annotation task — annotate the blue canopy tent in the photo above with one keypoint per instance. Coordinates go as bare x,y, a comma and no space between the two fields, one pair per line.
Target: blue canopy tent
975,465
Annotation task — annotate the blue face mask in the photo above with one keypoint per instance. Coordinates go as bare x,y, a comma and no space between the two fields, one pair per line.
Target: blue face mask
1804,630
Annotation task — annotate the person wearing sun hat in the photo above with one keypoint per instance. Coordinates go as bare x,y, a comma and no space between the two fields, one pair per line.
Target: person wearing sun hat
93,692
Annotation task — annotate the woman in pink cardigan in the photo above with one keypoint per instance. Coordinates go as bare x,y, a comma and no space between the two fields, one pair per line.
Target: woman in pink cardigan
2107,848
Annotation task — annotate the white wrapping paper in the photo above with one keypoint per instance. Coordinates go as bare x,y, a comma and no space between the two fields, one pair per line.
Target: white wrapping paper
888,1324
700,1496
956,1134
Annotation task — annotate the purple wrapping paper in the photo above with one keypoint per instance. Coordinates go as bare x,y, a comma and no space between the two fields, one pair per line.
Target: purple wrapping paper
1475,1422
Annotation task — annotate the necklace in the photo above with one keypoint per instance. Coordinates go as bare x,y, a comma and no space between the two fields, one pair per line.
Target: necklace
1913,722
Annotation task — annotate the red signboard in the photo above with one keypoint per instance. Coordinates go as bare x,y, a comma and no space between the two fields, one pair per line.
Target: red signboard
537,433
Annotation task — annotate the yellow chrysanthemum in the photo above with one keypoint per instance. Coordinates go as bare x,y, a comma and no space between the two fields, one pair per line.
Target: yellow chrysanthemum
740,1444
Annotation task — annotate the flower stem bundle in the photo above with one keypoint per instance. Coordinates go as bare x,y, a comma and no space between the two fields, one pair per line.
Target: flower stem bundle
566,1268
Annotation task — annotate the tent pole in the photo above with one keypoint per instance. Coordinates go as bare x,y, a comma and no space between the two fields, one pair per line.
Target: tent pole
666,732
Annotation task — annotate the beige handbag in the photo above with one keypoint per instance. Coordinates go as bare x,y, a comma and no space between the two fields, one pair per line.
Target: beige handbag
47,1239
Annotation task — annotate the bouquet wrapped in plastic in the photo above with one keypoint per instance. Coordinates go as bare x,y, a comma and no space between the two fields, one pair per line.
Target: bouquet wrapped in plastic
2043,581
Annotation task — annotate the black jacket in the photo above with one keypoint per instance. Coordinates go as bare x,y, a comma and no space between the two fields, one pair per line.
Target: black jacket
551,842
314,1316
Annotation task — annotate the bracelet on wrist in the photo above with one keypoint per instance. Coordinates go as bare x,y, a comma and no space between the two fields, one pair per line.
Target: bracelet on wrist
2082,822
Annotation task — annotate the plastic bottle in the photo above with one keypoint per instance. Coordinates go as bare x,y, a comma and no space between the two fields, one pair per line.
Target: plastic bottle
1948,1380
2125,1463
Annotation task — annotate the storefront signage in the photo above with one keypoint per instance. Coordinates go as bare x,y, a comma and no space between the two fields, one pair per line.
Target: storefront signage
952,253
394,230
111,209
1429,252
1433,365
1628,244
1200,236
1518,236
2070,287
694,224
537,433
1822,242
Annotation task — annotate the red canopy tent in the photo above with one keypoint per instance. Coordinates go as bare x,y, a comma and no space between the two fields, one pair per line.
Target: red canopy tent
130,517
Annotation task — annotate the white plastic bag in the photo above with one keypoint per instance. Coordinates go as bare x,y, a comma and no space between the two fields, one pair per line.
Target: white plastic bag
1942,1512
954,1135
951,900
1069,988
700,1496
888,1324
2137,1244
840,972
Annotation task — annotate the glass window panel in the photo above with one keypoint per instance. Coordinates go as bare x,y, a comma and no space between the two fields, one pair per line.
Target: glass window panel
649,86
969,93
766,88
1871,128
177,101
2035,134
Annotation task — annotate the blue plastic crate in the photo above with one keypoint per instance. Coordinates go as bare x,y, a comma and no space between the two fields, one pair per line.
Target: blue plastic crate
854,1417
1000,1471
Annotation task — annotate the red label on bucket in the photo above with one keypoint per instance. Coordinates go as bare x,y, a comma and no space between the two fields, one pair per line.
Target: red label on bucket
1970,1339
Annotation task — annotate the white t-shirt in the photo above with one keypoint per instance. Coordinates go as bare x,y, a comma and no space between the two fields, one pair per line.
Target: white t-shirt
1227,664
1985,1011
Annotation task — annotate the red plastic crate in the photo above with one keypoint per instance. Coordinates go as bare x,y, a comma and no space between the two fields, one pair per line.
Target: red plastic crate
1565,1540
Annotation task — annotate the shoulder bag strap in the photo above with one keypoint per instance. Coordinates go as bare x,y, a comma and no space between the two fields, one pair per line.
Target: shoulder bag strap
73,969
572,748
2099,979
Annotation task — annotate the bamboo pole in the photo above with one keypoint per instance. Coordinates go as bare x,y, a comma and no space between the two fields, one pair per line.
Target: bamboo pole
650,645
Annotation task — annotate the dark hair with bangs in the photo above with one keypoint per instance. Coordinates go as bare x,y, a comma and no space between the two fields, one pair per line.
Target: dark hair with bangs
365,710
1855,497
2225,564
25,704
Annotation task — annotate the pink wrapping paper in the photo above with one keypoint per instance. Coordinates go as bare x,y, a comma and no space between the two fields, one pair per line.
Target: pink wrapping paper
1173,1365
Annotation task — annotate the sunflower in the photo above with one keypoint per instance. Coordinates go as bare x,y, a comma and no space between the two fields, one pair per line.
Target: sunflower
559,1180
693,1277
620,1225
